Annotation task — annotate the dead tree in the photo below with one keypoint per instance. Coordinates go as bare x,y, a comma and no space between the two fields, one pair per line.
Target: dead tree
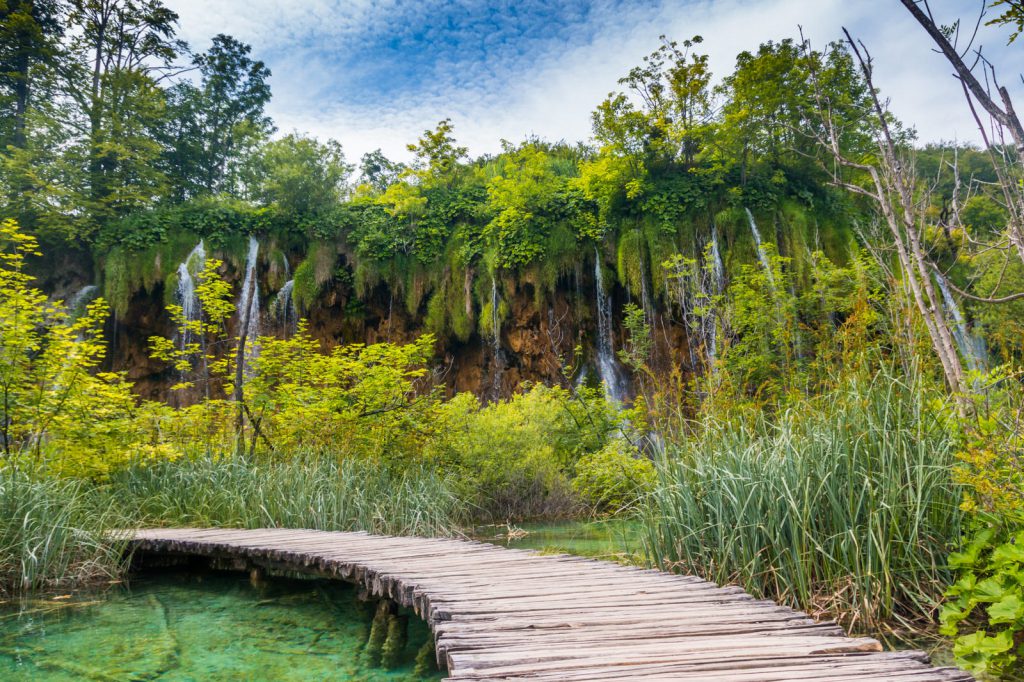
892,188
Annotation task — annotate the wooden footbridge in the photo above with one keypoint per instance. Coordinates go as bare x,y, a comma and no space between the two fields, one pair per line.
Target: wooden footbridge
505,614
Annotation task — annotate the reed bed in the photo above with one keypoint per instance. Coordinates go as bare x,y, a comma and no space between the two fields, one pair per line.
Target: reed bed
54,533
317,492
842,505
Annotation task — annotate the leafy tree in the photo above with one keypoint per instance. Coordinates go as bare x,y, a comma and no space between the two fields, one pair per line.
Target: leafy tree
211,128
437,155
300,176
378,171
523,199
119,50
368,397
29,35
200,351
57,411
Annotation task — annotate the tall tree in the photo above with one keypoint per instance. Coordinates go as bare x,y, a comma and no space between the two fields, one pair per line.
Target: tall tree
299,175
888,180
29,35
212,127
120,51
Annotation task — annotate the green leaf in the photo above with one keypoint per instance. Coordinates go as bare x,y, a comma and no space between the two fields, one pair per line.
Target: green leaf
1009,609
990,590
979,653
1007,554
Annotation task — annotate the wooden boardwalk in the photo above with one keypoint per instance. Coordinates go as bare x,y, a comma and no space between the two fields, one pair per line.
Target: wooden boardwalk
504,614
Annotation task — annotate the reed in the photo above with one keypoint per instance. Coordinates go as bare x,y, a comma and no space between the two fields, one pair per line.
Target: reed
315,492
841,505
54,533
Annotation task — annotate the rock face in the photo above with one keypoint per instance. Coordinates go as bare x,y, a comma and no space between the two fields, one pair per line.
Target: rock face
536,341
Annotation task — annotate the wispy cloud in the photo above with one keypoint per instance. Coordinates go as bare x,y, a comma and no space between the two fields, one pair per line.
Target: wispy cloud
376,73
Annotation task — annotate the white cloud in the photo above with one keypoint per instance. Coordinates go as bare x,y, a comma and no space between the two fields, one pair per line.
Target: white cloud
553,90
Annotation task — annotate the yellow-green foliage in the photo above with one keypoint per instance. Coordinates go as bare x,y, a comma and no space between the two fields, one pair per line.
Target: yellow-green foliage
59,413
613,478
364,397
514,457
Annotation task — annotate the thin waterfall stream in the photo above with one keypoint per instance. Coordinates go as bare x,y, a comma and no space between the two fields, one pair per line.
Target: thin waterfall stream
607,365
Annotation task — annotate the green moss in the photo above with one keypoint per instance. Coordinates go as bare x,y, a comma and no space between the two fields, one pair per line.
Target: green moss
316,269
629,259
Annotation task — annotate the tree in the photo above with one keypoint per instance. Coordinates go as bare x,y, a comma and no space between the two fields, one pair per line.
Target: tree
56,410
891,186
379,171
212,127
1004,135
437,154
299,175
676,108
119,51
29,35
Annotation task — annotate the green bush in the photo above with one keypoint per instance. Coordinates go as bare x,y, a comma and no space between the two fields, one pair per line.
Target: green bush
614,477
514,457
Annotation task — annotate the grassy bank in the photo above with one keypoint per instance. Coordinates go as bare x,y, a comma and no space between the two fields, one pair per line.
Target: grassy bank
54,532
842,505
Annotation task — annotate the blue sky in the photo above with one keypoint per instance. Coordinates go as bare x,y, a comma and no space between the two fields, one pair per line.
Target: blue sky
375,73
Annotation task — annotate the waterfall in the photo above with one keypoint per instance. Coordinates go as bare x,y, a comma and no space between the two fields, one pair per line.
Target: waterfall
249,302
717,284
972,346
607,366
495,317
78,301
761,255
282,308
189,272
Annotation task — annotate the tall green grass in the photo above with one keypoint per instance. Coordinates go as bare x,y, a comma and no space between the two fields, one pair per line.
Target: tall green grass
317,492
59,532
53,533
841,505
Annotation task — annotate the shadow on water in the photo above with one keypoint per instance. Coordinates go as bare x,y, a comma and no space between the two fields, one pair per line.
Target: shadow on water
174,625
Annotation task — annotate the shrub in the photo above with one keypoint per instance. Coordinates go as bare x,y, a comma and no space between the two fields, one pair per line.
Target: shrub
614,477
514,457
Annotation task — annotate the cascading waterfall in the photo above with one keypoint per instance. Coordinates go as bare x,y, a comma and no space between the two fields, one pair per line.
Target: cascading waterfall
282,308
189,272
971,345
499,357
495,317
761,255
78,301
717,284
249,303
607,366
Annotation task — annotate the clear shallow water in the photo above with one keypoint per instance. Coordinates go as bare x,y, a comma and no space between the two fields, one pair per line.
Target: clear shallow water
200,626
616,539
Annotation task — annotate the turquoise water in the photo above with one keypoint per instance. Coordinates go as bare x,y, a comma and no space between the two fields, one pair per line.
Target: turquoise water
613,539
200,626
